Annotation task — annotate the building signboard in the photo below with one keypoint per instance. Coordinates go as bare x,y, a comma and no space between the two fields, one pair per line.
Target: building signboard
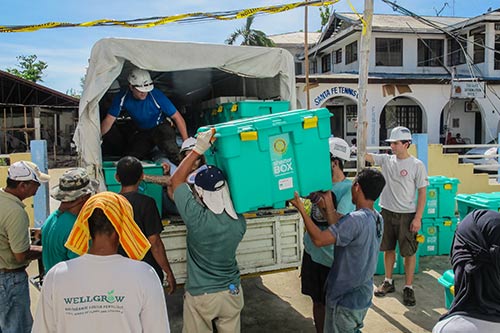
468,89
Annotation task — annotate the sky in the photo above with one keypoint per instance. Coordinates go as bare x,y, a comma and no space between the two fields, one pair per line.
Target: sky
66,50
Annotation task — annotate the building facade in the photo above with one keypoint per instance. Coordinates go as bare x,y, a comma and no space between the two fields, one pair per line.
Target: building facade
435,75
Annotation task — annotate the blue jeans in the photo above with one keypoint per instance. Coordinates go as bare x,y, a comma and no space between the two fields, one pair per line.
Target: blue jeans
339,319
15,314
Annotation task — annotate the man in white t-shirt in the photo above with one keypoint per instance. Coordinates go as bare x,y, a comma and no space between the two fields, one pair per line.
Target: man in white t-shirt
401,210
102,291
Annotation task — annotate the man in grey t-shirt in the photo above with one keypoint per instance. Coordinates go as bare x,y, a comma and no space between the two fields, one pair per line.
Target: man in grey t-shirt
405,176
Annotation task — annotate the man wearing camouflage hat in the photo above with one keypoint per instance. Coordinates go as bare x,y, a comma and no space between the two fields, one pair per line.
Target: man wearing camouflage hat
74,189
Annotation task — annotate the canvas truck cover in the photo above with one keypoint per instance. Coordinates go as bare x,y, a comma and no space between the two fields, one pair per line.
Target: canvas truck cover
109,56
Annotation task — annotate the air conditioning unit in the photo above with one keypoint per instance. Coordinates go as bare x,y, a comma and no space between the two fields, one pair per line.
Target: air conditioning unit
471,106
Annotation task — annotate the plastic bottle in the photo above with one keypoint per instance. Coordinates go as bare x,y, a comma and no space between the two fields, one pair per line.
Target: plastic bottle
233,290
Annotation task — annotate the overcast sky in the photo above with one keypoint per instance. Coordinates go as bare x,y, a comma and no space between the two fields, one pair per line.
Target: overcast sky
66,50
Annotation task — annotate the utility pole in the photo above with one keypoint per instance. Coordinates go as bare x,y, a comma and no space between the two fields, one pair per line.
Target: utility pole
364,62
306,56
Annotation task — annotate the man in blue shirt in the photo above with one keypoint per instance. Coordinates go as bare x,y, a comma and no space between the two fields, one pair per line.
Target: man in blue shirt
150,110
316,261
357,238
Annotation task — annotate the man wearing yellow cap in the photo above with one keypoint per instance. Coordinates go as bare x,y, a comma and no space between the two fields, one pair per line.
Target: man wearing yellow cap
23,181
102,291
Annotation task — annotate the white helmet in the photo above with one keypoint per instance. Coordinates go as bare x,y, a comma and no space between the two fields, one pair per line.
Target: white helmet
339,148
399,133
141,80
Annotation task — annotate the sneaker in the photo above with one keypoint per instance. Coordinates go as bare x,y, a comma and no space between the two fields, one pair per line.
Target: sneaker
409,297
385,288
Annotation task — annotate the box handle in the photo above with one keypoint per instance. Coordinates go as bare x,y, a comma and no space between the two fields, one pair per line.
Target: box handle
310,122
234,108
220,109
249,136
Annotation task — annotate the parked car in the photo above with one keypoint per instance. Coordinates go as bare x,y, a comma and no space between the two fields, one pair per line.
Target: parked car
483,164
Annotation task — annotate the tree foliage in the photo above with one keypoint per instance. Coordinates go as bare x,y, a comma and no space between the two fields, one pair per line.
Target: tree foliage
250,36
324,13
30,68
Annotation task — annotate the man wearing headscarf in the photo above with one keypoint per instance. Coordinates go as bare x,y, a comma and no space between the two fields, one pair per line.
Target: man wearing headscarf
475,256
214,230
102,291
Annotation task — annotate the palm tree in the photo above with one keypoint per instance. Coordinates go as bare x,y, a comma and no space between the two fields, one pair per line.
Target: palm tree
250,36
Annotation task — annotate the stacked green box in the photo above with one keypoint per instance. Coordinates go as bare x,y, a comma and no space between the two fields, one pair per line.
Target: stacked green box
430,232
468,202
399,265
447,280
438,236
266,159
153,190
247,109
441,197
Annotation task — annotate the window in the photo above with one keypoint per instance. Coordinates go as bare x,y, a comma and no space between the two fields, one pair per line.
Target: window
338,56
430,52
388,52
313,67
298,68
478,37
456,47
326,63
497,51
351,53
351,116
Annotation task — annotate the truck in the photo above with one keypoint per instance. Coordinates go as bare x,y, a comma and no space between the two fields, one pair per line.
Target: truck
196,77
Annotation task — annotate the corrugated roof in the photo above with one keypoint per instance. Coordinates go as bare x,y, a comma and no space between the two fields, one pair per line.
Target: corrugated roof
402,22
295,38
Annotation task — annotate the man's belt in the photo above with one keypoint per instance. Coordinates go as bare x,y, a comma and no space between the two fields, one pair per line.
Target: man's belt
13,270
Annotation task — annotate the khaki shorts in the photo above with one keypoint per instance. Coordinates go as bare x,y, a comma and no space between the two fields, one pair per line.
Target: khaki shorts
222,307
397,230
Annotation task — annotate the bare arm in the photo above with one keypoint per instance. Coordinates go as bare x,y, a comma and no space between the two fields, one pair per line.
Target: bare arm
182,172
369,158
417,220
181,124
327,209
34,252
107,123
158,251
318,237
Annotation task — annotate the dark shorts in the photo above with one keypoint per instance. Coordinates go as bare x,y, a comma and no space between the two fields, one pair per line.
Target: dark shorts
397,230
313,279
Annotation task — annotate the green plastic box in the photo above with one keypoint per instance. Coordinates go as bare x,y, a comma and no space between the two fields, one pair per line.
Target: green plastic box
248,109
266,159
440,200
399,265
447,280
438,236
153,190
468,202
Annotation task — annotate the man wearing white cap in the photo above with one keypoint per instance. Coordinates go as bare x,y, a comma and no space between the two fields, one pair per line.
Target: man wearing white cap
150,110
74,189
23,180
402,212
214,230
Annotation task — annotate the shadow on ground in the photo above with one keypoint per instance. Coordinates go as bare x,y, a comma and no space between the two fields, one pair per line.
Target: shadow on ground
264,311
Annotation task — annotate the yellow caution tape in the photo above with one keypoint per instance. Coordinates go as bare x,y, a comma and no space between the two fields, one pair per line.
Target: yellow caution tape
310,122
360,17
156,21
